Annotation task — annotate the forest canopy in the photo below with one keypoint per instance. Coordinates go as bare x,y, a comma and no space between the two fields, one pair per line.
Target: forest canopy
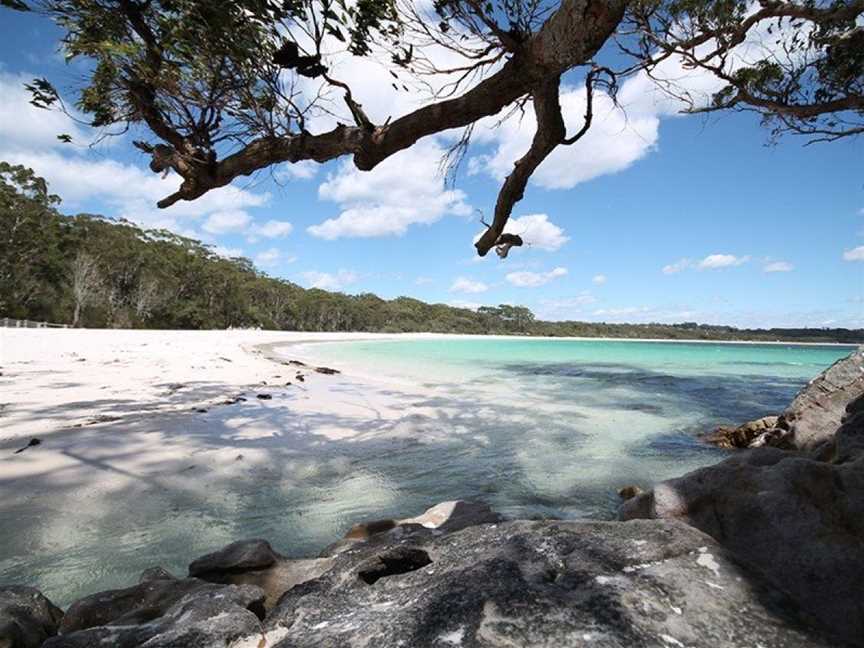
87,270
224,89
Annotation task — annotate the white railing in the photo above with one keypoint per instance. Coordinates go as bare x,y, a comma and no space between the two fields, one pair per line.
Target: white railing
8,322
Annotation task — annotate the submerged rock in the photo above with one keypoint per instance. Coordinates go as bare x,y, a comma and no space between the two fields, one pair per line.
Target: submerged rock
210,616
643,583
327,371
27,617
797,521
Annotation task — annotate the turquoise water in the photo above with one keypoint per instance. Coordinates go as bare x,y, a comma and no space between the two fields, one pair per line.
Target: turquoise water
535,428
556,427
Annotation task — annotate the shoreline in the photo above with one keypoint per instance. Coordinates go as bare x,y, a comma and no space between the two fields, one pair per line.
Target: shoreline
196,438
468,336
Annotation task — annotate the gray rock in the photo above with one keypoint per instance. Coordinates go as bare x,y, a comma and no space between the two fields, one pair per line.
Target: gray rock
254,562
609,584
140,603
817,410
849,439
155,573
27,617
239,556
797,521
275,580
211,617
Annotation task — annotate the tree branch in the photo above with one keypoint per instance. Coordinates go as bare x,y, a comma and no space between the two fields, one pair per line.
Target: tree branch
550,133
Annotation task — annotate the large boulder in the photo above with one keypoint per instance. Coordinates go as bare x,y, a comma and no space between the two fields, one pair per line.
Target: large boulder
610,584
241,556
27,618
817,410
212,616
797,521
147,600
254,562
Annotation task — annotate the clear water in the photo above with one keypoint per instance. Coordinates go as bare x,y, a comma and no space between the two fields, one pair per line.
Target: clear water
533,427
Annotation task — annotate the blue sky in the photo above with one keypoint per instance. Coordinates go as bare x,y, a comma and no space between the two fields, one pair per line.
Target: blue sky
653,217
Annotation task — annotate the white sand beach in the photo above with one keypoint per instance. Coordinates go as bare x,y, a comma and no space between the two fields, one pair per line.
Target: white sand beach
141,401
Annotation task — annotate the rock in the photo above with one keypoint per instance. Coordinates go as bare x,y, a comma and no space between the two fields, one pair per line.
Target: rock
774,438
155,573
327,370
27,617
455,515
445,517
244,555
254,562
213,616
628,492
797,521
264,396
643,583
849,438
816,412
147,600
742,436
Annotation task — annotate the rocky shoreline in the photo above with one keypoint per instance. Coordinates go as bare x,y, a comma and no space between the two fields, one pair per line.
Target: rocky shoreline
765,548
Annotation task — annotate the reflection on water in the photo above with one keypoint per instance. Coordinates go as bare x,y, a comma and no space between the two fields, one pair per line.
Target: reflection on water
533,429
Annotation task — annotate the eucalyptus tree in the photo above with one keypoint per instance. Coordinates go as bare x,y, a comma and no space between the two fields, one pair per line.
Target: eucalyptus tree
223,88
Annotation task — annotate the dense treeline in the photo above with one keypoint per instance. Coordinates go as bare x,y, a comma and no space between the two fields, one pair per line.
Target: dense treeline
91,271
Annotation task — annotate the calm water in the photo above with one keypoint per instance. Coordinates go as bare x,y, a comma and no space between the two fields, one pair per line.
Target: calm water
533,427
555,427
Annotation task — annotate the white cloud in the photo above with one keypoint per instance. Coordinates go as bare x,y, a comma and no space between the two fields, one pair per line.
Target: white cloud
404,190
599,279
228,253
778,266
268,258
222,222
537,231
26,127
270,230
556,309
855,254
460,303
714,261
465,285
615,141
534,279
678,266
302,170
329,281
710,262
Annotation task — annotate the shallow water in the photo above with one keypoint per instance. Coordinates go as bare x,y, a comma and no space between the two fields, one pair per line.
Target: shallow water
533,427
555,427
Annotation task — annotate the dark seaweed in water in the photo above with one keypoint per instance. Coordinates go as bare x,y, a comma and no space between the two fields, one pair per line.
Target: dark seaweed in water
718,397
